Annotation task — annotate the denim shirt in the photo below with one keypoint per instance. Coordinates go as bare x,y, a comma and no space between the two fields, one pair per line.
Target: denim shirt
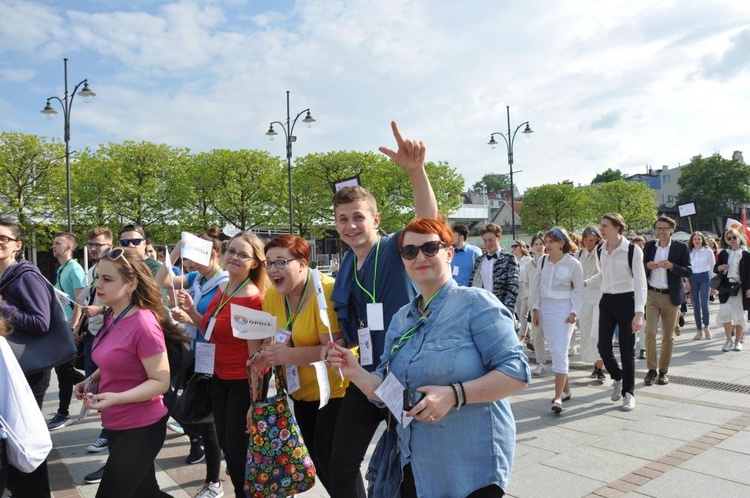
468,334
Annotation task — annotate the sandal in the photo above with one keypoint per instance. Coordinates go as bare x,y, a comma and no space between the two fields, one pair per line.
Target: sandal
557,406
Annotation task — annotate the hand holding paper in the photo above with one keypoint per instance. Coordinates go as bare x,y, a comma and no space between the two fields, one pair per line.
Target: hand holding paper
323,308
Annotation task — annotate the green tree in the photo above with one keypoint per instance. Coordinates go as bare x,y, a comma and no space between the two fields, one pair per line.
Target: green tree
134,182
32,180
243,187
633,200
714,184
553,204
611,175
493,182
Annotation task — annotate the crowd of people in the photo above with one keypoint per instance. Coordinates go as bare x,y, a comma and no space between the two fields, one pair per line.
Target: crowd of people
420,312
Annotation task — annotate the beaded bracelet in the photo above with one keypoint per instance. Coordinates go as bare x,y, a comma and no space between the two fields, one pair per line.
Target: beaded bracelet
463,393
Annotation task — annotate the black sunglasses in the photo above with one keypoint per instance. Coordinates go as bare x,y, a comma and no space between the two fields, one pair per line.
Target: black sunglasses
733,237
128,242
429,249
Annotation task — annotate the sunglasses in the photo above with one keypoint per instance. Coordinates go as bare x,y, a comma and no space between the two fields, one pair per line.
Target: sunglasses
115,254
279,264
129,242
733,237
514,246
429,249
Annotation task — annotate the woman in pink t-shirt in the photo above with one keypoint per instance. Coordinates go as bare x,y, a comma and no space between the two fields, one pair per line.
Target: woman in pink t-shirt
133,375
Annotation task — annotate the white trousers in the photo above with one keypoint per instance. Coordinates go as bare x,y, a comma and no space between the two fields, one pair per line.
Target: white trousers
553,313
589,326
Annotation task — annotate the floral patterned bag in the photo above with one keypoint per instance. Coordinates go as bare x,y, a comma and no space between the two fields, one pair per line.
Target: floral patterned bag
278,463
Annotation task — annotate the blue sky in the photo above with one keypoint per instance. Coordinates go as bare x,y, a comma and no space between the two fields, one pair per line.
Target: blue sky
604,84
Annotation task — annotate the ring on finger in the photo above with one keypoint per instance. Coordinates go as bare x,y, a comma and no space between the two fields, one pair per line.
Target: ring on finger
432,419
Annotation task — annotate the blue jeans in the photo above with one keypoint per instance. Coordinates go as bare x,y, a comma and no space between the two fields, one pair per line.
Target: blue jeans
699,290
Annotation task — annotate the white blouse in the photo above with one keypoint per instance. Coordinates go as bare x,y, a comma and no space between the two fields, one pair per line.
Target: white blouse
702,260
561,280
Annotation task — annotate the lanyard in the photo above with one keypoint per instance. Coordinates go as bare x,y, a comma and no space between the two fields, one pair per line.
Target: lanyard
290,317
413,330
59,272
374,277
222,302
100,337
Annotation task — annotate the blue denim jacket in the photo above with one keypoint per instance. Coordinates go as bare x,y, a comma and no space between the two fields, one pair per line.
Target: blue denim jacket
468,334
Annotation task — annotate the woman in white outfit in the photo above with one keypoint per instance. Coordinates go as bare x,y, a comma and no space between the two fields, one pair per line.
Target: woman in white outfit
557,292
521,252
734,262
588,320
537,332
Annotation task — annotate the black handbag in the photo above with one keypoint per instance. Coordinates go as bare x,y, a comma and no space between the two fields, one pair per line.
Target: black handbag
36,353
721,283
193,406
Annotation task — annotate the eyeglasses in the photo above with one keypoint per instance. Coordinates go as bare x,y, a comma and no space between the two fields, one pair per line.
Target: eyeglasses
128,242
115,254
279,264
97,245
242,256
513,246
4,239
733,237
429,249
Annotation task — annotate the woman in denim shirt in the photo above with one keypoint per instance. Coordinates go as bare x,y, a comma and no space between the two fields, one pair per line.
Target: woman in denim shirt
457,345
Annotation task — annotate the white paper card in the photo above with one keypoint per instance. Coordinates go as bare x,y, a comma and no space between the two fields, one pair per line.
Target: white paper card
455,271
292,378
249,324
365,347
325,387
196,249
375,316
391,392
205,355
209,329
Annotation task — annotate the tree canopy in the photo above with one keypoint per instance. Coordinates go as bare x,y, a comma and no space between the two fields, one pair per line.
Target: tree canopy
493,182
714,184
610,175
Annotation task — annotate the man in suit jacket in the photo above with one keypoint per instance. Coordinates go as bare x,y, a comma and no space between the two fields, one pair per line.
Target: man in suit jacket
667,262
496,271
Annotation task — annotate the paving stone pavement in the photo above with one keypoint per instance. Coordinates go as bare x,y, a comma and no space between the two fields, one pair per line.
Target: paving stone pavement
688,438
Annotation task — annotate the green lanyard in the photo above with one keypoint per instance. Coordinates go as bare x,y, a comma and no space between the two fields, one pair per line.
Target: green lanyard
290,317
223,303
59,272
374,277
413,330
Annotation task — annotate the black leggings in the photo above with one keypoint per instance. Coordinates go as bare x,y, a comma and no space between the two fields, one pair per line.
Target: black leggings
317,428
210,445
409,489
356,424
67,377
231,401
130,467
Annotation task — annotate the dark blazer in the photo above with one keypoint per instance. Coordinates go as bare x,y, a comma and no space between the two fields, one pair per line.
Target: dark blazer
679,255
744,276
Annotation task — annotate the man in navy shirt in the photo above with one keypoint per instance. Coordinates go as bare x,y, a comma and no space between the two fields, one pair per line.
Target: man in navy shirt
370,287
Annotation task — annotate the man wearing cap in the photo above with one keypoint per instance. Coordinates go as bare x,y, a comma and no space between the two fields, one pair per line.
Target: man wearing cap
667,263
134,236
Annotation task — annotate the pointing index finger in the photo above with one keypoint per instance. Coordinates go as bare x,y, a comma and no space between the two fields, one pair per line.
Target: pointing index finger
397,134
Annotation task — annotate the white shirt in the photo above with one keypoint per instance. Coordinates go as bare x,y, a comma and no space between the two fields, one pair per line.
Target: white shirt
486,270
702,260
561,280
733,261
615,276
522,264
658,277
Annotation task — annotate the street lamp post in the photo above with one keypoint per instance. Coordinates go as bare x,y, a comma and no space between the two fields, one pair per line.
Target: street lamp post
290,139
509,141
67,102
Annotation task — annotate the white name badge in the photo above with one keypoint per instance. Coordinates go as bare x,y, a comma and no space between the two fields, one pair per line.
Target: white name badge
375,316
209,329
292,378
205,356
365,347
455,271
282,337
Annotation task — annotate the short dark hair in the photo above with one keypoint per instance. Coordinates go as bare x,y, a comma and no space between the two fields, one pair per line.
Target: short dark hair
666,219
617,220
492,228
460,229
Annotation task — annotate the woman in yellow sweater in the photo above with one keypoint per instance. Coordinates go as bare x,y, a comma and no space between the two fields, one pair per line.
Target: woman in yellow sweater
292,300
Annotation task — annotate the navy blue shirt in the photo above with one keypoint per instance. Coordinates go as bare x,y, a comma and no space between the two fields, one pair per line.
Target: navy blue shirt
393,288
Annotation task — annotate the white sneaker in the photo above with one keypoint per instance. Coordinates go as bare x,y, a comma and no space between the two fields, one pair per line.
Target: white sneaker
540,369
628,402
616,390
737,346
175,427
728,346
210,490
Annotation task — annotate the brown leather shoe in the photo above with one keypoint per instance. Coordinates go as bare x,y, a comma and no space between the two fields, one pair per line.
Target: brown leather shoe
663,379
650,378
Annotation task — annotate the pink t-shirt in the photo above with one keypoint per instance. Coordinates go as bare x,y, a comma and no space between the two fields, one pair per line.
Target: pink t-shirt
119,356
